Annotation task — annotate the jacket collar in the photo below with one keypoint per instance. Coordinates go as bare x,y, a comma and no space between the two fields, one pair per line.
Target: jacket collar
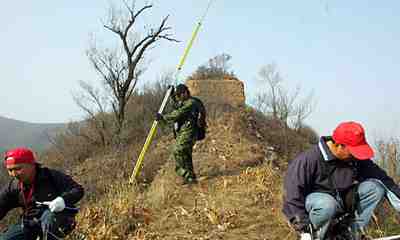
41,173
323,147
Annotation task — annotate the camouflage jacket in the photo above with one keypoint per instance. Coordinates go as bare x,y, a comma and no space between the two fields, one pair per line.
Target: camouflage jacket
184,117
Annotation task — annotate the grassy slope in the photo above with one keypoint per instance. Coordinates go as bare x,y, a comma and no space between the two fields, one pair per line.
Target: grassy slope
238,197
227,207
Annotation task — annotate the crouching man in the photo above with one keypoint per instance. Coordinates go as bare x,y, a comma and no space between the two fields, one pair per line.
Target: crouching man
43,194
333,179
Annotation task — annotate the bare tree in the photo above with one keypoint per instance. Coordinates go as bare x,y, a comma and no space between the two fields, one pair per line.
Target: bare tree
278,101
388,155
94,103
304,107
220,63
120,69
269,101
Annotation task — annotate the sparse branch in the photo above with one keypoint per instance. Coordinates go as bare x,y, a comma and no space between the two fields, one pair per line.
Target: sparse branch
133,17
150,39
102,63
121,68
94,96
91,102
79,101
284,105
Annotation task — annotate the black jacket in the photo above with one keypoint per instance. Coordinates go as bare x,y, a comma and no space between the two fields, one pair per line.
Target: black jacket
309,172
49,184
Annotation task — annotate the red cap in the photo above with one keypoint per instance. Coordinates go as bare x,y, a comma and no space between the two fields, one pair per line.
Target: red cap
19,155
352,135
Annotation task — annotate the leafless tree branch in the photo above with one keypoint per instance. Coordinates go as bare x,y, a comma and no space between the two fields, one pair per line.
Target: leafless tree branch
121,73
280,102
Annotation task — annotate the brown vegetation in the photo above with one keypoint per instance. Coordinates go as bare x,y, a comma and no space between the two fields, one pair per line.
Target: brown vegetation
240,166
238,194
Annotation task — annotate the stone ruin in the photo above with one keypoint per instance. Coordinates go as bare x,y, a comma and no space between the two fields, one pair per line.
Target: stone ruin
226,91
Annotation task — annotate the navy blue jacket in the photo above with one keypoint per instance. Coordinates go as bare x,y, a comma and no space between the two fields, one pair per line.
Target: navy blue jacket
307,174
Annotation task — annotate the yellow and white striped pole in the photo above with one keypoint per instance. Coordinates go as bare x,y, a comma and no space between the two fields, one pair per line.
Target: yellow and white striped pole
139,161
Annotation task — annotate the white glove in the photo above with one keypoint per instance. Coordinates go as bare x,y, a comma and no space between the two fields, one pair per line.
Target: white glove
57,205
305,236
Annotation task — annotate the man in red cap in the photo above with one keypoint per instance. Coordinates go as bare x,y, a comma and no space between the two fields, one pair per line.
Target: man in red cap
33,184
335,180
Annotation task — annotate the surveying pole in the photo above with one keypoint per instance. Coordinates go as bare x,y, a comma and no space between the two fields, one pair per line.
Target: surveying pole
139,161
149,138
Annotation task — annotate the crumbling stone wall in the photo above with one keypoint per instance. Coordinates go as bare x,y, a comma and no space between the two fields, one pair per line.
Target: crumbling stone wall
228,91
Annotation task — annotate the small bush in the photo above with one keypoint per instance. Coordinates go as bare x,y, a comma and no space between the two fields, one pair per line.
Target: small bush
216,68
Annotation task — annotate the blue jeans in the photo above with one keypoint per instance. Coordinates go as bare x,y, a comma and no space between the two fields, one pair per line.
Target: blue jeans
323,207
30,231
391,197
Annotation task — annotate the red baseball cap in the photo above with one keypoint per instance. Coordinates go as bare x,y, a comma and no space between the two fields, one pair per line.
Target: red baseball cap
352,135
19,155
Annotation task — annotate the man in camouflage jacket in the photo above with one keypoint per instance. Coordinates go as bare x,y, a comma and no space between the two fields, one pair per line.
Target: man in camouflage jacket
184,118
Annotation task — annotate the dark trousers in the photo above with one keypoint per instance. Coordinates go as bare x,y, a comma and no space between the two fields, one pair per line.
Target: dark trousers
29,230
14,232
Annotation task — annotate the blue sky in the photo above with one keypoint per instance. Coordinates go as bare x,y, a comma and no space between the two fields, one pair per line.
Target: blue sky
347,52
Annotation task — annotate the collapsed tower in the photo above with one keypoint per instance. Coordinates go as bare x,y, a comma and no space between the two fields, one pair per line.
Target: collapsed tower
218,91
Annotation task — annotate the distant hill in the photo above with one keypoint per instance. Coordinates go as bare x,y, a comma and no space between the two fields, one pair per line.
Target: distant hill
19,133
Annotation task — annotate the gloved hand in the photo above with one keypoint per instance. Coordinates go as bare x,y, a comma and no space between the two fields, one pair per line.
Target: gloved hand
172,89
57,205
301,225
305,236
159,116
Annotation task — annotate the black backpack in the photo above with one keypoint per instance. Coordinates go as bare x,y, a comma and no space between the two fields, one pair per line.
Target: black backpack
200,119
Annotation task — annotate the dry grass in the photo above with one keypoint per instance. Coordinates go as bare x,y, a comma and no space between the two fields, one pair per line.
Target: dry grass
240,206
115,216
239,194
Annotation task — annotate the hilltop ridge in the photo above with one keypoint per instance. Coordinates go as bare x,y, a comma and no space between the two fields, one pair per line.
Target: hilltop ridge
238,195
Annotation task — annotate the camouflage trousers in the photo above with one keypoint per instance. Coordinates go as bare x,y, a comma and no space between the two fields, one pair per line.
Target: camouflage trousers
183,158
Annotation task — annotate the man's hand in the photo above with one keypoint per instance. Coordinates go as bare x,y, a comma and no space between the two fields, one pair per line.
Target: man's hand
301,225
305,236
159,116
57,205
304,228
172,89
